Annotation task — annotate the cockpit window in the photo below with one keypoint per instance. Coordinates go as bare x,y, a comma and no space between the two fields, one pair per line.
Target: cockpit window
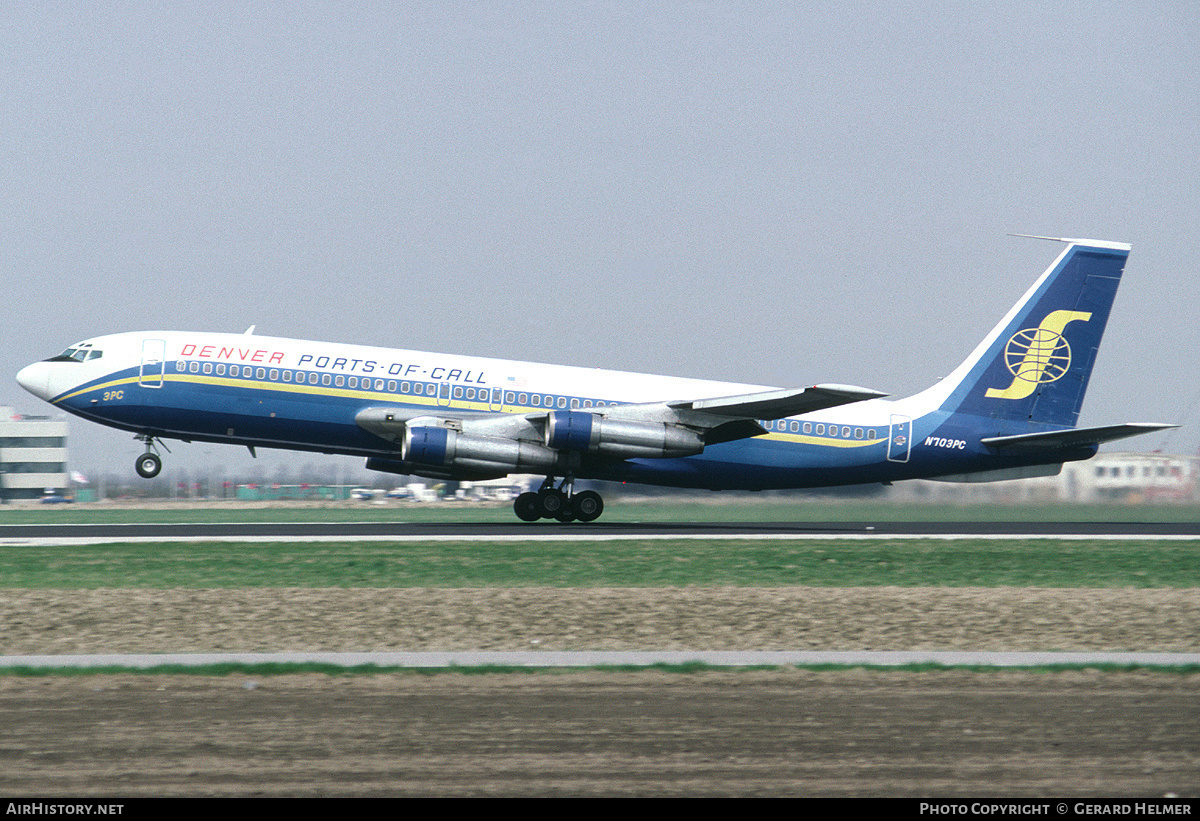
82,352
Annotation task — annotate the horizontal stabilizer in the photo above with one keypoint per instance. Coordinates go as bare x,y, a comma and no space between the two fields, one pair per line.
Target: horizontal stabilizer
1091,243
1075,437
778,404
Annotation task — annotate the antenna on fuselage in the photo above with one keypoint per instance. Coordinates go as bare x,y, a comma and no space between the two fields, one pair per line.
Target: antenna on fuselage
250,331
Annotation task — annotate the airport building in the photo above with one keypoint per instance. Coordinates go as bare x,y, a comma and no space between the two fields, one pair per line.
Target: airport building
33,456
1130,478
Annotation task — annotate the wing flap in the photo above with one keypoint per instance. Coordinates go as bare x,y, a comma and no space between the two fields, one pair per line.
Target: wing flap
1074,437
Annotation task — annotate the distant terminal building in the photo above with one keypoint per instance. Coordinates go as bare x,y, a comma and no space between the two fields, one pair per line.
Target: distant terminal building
33,455
1131,478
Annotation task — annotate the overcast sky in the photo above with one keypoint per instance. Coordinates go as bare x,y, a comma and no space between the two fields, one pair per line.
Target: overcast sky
775,193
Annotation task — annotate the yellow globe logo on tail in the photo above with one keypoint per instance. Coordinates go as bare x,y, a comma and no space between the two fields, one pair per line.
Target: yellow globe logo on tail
1038,355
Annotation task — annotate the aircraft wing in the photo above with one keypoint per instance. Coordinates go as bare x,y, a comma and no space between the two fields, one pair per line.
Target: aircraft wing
726,418
781,403
1074,437
719,419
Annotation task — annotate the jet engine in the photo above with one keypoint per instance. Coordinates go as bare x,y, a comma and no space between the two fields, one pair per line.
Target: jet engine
589,432
445,448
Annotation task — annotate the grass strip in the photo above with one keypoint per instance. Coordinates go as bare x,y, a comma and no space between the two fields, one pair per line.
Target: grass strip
633,563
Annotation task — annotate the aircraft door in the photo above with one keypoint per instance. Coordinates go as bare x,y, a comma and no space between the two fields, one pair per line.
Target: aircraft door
899,439
443,398
497,399
154,354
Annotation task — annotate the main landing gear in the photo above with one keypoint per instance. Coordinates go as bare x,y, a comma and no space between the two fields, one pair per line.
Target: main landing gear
562,503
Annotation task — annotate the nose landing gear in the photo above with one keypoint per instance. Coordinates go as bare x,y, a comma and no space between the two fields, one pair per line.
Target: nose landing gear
559,503
149,464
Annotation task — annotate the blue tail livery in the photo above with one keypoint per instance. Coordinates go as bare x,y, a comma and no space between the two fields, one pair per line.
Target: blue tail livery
1008,411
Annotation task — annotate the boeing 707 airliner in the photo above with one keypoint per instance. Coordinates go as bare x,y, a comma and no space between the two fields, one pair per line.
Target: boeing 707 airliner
1008,411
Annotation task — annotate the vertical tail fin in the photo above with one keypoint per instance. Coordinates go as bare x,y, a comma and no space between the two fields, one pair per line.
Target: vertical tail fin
1035,364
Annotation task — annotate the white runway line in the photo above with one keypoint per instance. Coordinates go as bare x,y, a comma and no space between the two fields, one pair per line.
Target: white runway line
587,537
585,658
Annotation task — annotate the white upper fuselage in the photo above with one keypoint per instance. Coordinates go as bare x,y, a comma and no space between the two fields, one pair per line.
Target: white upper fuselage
211,356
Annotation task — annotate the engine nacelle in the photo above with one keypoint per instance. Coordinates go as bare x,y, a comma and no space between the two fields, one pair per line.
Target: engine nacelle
382,465
589,432
441,447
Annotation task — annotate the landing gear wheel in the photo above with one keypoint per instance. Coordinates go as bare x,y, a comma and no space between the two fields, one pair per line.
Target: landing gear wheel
148,465
561,503
550,502
587,506
526,507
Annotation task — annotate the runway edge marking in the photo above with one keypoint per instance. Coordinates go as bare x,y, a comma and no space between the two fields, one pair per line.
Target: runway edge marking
584,659
69,541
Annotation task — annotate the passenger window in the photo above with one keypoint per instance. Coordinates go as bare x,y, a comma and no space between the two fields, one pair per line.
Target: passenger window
858,433
808,427
820,430
233,370
326,379
194,367
339,381
274,375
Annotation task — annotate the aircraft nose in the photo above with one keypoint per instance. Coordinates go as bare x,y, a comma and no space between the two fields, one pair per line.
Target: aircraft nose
35,378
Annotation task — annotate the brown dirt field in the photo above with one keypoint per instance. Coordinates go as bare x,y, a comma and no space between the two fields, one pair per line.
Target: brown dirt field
739,733
707,618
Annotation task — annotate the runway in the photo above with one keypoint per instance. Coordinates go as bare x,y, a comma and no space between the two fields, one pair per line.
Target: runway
516,531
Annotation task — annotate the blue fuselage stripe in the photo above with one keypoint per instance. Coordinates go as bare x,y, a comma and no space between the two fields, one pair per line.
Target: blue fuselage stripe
301,416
